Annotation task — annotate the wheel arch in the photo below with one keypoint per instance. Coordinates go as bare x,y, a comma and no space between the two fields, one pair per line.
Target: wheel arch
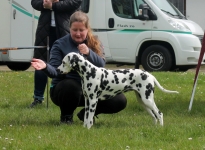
146,44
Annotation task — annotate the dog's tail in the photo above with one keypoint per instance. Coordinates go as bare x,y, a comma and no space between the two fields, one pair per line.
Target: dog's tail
161,88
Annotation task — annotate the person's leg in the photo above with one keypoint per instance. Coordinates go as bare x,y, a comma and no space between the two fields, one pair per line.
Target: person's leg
67,95
52,37
109,106
40,79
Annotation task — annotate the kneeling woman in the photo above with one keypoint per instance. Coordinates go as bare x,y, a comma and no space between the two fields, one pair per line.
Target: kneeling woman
66,90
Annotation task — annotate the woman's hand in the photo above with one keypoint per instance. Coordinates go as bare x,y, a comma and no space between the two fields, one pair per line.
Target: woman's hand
54,1
47,4
38,64
83,49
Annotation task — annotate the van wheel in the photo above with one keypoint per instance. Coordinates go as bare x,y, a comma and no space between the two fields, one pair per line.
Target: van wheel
156,58
19,66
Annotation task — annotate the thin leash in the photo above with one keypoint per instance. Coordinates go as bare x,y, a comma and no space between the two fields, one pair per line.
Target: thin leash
47,76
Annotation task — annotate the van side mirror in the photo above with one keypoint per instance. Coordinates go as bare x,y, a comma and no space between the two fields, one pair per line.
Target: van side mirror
143,12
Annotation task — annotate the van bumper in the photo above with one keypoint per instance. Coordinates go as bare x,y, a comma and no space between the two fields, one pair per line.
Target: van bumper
187,49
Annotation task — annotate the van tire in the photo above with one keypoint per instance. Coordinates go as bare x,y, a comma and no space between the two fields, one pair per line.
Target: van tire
18,66
156,58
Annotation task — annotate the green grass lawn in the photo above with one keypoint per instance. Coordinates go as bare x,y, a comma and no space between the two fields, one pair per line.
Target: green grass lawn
22,128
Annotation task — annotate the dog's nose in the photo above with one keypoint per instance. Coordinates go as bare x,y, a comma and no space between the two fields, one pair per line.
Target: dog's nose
58,71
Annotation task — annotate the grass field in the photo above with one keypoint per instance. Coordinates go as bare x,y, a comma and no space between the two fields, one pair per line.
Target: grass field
22,128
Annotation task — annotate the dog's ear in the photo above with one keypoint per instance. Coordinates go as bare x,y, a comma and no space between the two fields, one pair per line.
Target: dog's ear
74,60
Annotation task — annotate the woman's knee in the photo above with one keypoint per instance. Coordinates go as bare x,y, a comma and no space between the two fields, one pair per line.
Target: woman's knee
120,101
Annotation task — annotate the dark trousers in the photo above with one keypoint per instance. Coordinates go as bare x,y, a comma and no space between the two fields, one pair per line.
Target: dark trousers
40,79
68,95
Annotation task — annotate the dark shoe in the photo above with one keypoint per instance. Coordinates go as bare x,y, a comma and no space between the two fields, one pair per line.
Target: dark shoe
81,116
35,103
68,119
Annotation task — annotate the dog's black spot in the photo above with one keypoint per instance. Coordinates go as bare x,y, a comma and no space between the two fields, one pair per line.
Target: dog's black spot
124,71
92,110
89,85
105,83
132,82
127,88
101,82
88,102
91,96
93,105
96,89
149,90
124,80
138,86
117,92
108,88
116,79
86,64
98,93
131,76
143,76
92,73
113,81
154,114
83,69
106,73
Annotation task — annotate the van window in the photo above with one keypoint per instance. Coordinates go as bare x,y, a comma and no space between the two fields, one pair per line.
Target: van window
126,8
168,8
85,6
122,8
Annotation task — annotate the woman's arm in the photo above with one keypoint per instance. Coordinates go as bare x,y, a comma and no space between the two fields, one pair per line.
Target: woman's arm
37,4
96,59
66,5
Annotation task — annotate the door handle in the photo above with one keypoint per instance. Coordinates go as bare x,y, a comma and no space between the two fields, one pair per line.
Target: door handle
14,13
111,22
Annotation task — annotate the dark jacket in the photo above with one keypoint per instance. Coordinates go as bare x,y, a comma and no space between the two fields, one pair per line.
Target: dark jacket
62,12
62,47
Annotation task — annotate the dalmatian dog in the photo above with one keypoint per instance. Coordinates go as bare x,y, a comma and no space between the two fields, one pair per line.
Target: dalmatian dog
100,83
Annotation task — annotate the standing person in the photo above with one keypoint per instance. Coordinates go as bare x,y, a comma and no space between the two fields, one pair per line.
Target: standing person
53,22
66,91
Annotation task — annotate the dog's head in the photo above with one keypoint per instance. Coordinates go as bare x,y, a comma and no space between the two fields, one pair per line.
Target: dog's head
69,62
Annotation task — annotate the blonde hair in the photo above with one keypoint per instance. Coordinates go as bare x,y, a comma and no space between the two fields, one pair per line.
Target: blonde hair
92,41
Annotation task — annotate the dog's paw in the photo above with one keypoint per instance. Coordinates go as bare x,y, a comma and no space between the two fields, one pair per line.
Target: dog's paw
89,126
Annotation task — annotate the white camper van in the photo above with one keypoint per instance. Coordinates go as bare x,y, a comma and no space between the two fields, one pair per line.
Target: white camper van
18,22
151,33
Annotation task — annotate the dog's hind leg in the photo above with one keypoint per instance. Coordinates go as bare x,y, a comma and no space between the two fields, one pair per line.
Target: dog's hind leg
154,111
147,108
151,107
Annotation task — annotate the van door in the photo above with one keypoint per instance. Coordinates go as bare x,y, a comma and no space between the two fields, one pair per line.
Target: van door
21,30
127,30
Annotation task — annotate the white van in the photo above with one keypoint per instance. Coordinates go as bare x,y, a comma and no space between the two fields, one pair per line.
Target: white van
151,33
18,22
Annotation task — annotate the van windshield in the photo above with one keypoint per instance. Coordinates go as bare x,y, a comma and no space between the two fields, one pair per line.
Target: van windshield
168,8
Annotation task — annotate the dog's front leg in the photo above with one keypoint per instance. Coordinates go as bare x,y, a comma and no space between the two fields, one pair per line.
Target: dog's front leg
90,112
86,112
